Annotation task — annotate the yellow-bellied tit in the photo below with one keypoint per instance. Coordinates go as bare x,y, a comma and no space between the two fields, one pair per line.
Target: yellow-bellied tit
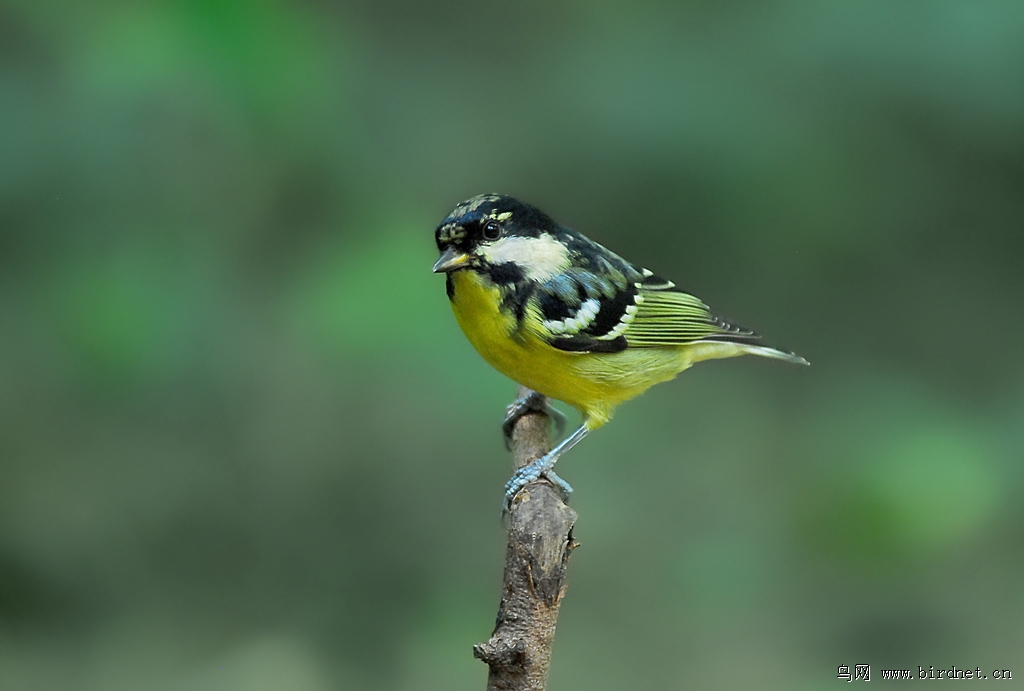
569,319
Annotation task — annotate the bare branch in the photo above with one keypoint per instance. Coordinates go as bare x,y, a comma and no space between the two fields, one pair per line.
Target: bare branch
539,544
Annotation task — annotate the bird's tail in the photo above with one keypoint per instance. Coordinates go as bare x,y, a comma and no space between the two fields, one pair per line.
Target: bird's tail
740,340
716,349
765,351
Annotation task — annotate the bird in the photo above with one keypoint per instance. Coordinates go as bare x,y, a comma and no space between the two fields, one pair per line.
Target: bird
571,320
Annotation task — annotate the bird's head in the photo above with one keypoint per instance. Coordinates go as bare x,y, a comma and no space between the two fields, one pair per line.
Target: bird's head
501,237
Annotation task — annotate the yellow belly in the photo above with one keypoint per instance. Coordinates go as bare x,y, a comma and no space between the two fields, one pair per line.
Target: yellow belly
593,383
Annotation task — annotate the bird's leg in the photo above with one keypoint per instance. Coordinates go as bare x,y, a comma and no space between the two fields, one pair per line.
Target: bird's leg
543,466
531,402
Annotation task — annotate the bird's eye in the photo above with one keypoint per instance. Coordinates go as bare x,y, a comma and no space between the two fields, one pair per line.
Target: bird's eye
492,230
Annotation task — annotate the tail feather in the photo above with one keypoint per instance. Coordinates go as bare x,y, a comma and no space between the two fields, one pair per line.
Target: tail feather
765,351
717,349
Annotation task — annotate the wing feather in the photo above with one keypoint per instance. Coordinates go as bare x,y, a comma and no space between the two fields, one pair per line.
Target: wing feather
602,303
667,316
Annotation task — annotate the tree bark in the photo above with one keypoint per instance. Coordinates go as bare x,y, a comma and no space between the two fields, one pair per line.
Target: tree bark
539,544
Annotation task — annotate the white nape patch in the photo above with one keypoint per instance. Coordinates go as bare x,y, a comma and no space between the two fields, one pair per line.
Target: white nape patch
573,325
541,258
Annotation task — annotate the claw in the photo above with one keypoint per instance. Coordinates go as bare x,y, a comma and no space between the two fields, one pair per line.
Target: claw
531,402
543,466
532,474
563,487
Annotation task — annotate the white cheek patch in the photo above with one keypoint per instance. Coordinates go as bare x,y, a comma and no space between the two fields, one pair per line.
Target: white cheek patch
541,258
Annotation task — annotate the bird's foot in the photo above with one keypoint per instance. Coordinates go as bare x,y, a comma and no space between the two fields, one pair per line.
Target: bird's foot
563,487
531,402
532,472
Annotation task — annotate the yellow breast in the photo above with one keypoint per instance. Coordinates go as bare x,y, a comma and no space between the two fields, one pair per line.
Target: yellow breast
515,352
593,383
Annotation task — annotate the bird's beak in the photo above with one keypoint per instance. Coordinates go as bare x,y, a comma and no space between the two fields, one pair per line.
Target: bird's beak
451,259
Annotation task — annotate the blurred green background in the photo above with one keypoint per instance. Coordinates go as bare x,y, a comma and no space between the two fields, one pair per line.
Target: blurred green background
244,444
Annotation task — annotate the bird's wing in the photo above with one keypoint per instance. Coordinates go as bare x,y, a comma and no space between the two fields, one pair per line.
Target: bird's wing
620,306
583,307
667,316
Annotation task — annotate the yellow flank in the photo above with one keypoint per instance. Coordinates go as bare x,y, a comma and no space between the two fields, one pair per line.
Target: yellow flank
593,383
